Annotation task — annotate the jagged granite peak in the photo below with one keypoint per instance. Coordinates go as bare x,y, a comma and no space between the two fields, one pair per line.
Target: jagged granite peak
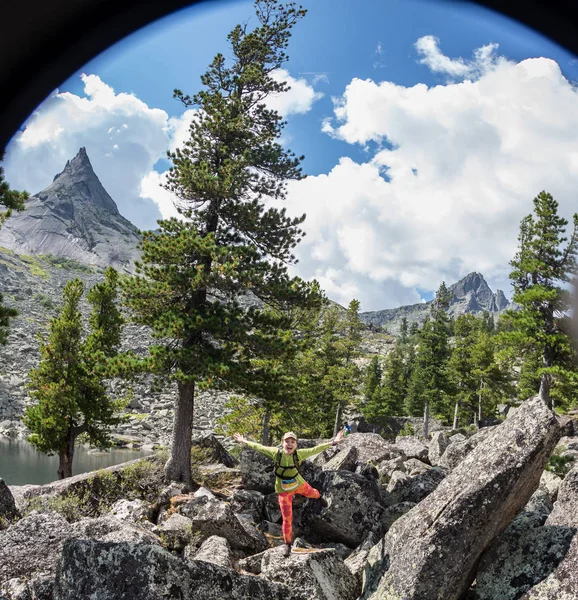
74,217
471,294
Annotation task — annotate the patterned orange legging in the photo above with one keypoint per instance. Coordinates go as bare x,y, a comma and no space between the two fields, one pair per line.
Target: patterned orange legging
286,504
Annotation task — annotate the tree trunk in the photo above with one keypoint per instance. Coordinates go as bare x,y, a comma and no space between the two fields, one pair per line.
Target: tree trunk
426,420
546,379
338,417
456,413
178,467
265,428
480,415
65,456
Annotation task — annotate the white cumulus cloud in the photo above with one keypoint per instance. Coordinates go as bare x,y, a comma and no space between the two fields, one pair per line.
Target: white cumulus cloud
452,170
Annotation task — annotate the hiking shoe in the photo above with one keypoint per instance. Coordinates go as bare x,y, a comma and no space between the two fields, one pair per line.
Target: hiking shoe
323,502
286,550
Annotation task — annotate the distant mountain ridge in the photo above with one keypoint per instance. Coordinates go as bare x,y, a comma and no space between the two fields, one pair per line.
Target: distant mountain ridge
471,294
74,217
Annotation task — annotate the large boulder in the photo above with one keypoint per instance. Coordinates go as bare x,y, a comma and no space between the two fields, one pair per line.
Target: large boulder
248,502
214,517
412,447
523,555
109,571
346,460
562,582
406,488
32,544
354,507
8,510
435,548
317,574
437,446
371,447
457,451
216,550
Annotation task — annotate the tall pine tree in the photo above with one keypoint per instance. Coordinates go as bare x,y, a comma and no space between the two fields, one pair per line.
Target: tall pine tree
232,243
539,331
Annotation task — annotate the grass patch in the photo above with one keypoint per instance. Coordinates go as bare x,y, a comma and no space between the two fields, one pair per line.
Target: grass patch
34,266
65,263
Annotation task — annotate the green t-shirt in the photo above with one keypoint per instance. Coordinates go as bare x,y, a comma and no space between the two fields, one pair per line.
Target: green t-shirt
287,460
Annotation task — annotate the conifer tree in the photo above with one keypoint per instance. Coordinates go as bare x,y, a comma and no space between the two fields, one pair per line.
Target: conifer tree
231,242
12,200
68,384
371,380
539,331
429,383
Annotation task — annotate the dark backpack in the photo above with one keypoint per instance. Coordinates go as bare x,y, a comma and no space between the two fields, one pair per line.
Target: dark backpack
295,465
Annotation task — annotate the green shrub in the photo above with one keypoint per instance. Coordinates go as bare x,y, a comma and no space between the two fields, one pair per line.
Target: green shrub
407,429
44,300
560,465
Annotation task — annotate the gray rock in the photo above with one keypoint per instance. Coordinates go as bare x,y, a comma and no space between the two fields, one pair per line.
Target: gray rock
176,532
414,466
32,544
354,508
550,482
437,446
406,488
457,451
345,460
249,502
214,550
91,569
523,555
412,447
371,447
131,510
562,582
8,510
214,517
437,545
216,451
317,574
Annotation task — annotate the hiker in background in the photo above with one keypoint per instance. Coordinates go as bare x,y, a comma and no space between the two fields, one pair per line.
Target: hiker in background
288,480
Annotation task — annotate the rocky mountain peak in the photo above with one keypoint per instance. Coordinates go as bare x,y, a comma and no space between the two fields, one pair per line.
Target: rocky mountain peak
471,294
75,218
80,183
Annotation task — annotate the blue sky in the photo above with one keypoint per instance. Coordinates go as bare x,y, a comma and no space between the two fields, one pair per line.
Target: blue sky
426,129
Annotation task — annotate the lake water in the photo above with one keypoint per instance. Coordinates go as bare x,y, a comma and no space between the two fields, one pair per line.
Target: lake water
20,463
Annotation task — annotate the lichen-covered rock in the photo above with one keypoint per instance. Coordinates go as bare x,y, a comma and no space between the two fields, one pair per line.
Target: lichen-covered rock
345,460
412,447
562,582
437,446
214,517
523,555
110,529
39,586
32,544
214,550
432,552
108,571
387,468
216,452
414,466
354,507
318,574
550,483
131,510
249,502
457,451
176,532
406,488
8,510
371,447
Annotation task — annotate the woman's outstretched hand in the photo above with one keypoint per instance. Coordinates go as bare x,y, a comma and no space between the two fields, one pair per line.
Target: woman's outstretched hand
239,438
339,437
